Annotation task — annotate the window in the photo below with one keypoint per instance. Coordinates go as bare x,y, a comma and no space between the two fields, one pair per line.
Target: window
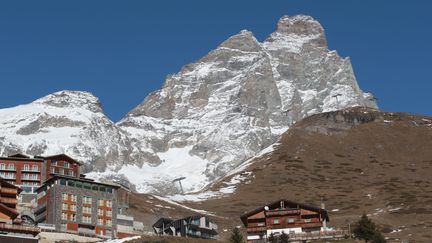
11,167
63,182
62,171
101,203
2,166
73,207
52,170
86,186
100,221
308,220
275,221
108,222
64,216
78,184
71,183
87,210
102,189
87,200
73,217
74,198
95,187
71,173
291,220
63,227
54,162
64,206
35,168
86,219
100,212
26,167
109,203
109,213
66,164
109,190
65,196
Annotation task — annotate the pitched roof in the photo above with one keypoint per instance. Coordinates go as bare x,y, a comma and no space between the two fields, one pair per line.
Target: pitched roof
4,183
60,157
19,156
276,204
162,221
12,213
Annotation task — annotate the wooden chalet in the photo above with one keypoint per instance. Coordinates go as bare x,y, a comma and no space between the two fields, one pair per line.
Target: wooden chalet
283,216
9,223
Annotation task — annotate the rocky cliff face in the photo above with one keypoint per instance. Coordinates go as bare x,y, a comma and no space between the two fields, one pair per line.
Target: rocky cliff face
216,112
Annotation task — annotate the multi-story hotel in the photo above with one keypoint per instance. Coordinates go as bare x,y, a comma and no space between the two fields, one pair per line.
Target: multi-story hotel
29,173
78,205
22,171
8,213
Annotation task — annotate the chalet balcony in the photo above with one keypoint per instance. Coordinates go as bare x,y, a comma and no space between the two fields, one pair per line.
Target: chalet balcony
28,178
283,212
257,229
19,229
333,234
31,170
9,191
6,200
7,168
8,177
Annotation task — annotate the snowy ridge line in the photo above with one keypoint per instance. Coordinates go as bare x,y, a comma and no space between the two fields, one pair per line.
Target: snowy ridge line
207,120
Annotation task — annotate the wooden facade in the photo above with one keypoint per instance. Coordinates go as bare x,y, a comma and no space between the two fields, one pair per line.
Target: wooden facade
283,216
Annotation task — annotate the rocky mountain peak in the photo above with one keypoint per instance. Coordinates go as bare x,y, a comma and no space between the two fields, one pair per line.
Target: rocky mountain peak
70,98
243,41
300,27
207,119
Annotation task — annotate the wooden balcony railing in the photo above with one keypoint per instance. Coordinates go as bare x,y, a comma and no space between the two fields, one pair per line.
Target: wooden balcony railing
257,229
19,229
8,200
5,190
283,212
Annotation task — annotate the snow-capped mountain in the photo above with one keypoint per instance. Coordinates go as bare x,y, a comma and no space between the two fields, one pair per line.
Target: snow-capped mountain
206,119
70,122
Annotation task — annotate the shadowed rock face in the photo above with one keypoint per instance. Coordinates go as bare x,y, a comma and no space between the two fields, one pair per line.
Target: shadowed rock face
222,109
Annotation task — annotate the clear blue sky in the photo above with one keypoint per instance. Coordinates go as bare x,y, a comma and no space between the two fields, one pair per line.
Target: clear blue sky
122,50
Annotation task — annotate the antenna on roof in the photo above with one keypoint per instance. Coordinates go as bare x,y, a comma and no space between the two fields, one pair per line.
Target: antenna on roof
179,181
337,100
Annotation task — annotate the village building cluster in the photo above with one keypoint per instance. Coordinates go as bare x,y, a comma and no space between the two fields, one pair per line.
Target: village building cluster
50,194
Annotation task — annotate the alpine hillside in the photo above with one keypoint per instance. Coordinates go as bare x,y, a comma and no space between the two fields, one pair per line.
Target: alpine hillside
206,120
356,160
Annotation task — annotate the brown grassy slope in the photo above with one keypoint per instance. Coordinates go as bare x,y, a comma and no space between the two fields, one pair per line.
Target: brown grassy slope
359,160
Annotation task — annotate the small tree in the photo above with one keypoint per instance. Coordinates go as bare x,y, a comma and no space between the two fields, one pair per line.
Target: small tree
272,238
366,230
236,236
378,238
283,238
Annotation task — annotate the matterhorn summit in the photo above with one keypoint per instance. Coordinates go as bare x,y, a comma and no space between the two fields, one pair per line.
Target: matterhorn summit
206,120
